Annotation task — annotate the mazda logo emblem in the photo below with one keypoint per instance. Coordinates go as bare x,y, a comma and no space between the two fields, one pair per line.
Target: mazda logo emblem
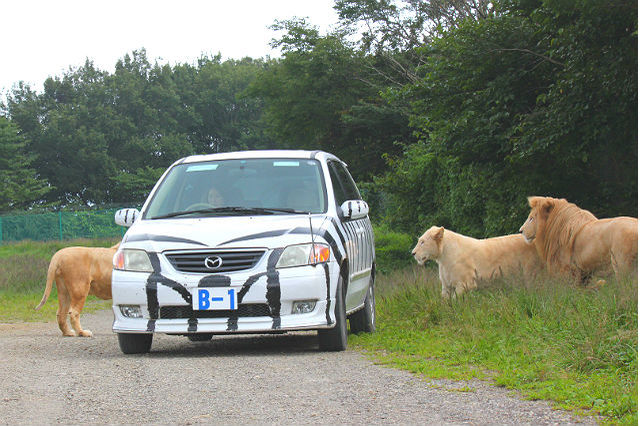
213,262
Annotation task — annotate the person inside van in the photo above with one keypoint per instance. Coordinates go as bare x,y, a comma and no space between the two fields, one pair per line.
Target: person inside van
215,198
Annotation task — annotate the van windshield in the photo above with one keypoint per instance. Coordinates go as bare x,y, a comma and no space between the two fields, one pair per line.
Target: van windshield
238,187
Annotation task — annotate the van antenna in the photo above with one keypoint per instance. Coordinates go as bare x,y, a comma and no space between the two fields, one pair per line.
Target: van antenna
313,243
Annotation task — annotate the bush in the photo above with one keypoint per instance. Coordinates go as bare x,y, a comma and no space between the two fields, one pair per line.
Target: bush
393,249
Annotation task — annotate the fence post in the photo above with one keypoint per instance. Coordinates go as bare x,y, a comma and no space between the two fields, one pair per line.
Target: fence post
0,229
60,222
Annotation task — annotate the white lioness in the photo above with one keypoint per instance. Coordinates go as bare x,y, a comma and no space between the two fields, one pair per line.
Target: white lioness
78,272
463,261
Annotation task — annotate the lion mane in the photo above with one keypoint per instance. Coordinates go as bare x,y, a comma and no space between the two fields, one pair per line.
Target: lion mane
557,237
572,240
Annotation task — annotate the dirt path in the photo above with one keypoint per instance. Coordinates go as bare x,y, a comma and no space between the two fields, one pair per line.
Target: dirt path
281,379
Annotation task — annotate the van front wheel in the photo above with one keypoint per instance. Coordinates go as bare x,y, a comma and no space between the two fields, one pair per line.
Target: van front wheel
364,320
335,339
135,343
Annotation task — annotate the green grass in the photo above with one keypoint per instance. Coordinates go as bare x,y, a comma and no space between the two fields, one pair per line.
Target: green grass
23,274
19,307
550,340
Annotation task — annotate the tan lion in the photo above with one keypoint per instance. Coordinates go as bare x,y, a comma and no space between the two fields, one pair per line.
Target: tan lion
463,261
78,272
572,241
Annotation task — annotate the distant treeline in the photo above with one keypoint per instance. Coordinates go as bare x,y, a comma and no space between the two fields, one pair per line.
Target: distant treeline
448,112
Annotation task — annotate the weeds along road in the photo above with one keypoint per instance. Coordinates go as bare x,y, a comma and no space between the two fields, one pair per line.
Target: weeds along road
46,378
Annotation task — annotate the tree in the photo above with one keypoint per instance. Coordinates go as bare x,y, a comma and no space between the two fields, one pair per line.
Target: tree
394,30
20,183
317,98
104,138
586,119
520,104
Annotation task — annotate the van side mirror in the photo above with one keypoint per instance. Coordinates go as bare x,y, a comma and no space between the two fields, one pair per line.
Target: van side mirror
354,209
126,217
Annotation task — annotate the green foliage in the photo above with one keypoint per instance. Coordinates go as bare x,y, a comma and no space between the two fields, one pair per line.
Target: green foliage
516,105
320,97
393,249
453,111
102,138
586,119
551,340
19,182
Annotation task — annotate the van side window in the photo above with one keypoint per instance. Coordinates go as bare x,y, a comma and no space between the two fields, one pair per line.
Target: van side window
344,187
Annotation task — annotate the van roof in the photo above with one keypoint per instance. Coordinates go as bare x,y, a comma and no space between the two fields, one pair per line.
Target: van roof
282,153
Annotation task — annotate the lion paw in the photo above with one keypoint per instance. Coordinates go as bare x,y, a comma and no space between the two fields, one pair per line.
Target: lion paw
85,333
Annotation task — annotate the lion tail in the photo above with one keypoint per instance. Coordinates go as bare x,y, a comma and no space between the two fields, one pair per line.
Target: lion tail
51,276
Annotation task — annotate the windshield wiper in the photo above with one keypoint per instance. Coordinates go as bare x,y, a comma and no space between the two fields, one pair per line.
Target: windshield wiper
236,210
272,210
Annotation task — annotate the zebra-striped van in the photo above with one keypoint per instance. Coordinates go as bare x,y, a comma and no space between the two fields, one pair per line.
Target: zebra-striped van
246,242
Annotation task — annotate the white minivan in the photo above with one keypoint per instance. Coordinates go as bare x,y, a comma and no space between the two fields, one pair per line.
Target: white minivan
246,242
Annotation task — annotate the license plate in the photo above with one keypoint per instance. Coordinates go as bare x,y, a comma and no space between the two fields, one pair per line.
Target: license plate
214,298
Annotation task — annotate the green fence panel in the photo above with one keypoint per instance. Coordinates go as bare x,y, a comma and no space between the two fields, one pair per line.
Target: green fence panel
62,225
96,224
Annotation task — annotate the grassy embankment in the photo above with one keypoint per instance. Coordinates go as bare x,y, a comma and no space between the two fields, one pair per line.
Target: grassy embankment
576,346
549,340
23,275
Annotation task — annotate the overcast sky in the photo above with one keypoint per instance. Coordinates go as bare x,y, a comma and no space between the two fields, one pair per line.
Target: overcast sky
42,38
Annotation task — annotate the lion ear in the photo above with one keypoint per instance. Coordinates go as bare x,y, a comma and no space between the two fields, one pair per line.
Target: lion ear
439,234
533,201
547,206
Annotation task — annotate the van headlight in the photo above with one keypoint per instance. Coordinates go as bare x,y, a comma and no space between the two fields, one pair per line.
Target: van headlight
132,260
304,254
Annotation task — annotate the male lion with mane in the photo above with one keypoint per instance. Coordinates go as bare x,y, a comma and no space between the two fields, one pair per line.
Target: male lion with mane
572,241
78,272
463,261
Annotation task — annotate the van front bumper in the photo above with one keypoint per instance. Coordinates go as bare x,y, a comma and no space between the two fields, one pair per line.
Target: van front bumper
164,303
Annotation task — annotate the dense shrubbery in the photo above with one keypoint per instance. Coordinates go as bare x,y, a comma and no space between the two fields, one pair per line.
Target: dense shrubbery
393,249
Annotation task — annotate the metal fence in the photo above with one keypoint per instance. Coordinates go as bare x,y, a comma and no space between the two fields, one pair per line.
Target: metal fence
60,225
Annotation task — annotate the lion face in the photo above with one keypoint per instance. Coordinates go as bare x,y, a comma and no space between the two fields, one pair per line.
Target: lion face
429,245
529,227
540,210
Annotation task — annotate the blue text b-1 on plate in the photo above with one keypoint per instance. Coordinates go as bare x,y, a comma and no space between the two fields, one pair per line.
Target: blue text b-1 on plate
214,298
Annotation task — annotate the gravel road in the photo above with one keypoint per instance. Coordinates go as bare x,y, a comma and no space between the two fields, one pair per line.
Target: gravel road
281,379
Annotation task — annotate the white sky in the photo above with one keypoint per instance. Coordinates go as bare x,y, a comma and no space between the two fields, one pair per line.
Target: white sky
42,38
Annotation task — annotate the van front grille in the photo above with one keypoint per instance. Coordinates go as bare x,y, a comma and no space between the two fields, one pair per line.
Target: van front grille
186,311
214,261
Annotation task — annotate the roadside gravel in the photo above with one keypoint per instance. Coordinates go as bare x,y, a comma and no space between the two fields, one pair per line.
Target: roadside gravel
279,379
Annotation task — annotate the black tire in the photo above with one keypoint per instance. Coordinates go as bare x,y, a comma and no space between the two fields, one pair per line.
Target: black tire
335,339
364,321
200,337
135,343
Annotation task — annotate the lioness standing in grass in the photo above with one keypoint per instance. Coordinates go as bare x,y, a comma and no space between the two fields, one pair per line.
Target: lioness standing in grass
78,272
463,261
